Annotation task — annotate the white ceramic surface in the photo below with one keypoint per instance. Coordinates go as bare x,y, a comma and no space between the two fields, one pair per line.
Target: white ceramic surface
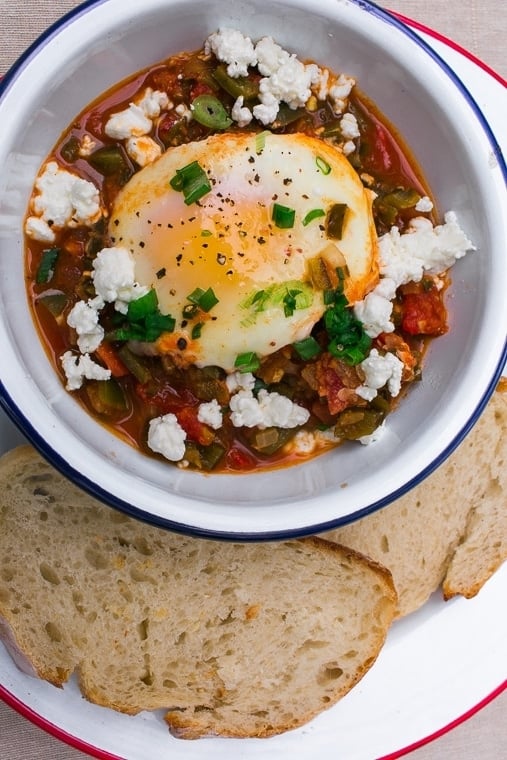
105,41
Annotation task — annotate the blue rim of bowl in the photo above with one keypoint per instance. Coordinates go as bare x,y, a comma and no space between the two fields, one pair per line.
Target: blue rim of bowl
87,485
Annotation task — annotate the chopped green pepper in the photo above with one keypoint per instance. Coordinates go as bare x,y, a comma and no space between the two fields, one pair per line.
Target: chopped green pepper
335,220
46,267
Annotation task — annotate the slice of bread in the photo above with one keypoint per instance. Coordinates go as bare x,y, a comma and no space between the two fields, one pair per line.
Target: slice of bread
229,639
452,528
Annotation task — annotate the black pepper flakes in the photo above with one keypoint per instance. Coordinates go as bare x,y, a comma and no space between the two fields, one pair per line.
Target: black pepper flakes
161,273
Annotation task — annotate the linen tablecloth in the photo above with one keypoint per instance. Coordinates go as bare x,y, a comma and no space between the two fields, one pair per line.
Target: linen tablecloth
479,26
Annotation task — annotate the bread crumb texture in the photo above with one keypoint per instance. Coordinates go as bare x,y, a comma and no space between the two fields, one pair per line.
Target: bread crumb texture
229,639
451,530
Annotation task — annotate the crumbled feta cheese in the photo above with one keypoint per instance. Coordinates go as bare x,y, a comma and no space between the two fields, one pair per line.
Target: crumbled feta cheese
375,310
267,410
423,248
240,113
236,381
114,278
210,414
131,122
78,368
290,83
84,318
153,102
304,443
366,440
63,198
380,370
37,229
232,47
182,110
266,112
270,56
143,150
167,437
339,92
348,147
424,205
349,126
86,146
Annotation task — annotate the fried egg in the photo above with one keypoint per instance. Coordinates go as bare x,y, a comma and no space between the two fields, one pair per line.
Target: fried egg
236,240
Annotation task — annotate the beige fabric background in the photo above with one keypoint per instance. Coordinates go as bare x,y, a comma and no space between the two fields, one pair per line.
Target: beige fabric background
481,27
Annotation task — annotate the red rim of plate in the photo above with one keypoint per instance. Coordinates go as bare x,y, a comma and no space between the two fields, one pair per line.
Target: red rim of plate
79,744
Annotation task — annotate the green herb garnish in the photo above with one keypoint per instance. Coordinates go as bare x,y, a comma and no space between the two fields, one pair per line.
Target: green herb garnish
247,362
143,321
203,299
313,214
348,340
46,267
283,216
192,181
322,165
307,348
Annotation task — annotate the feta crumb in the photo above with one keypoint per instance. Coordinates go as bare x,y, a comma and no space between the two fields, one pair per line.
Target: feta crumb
182,110
267,410
37,229
423,248
86,146
380,370
131,122
348,147
232,47
290,83
210,414
304,443
84,318
114,278
78,368
63,198
339,92
349,126
236,381
266,111
167,437
366,440
375,310
143,150
153,102
240,113
424,205
270,56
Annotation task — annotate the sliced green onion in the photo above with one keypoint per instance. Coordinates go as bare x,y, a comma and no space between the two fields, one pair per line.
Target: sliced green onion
290,302
260,140
46,267
307,348
143,306
347,339
283,216
155,324
206,233
209,111
247,362
335,220
192,181
313,214
322,165
204,299
197,330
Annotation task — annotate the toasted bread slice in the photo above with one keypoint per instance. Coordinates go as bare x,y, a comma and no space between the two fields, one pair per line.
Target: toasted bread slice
451,529
230,639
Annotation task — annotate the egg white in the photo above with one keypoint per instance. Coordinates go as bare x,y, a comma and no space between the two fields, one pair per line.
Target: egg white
229,242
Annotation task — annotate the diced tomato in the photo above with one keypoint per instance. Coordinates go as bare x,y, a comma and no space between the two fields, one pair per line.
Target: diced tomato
165,398
424,313
200,88
196,431
237,458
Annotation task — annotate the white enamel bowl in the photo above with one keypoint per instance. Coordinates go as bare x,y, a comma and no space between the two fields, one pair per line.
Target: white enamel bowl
99,44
